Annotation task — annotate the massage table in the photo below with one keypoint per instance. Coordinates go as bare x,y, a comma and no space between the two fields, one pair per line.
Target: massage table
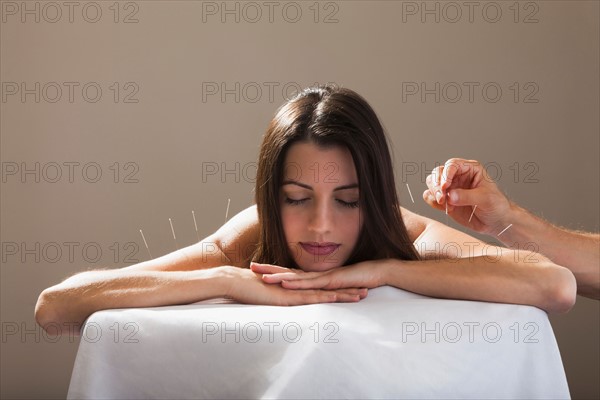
393,344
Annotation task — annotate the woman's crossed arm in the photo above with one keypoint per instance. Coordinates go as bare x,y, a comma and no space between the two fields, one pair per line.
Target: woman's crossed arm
215,267
455,266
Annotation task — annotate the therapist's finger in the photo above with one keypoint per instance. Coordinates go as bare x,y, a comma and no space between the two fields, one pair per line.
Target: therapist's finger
468,197
436,175
484,198
459,167
451,167
430,199
433,182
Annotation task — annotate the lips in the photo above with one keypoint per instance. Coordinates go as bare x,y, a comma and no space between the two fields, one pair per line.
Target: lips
319,249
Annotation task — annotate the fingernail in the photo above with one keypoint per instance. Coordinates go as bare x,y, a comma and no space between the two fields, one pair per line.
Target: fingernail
438,196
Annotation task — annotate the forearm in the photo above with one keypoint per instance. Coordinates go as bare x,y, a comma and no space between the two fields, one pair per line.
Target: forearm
544,285
69,303
578,251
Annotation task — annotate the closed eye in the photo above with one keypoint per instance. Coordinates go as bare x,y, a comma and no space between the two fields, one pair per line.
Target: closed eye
294,202
352,204
349,204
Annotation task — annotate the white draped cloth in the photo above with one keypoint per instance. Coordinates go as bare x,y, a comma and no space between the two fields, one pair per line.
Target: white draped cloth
394,344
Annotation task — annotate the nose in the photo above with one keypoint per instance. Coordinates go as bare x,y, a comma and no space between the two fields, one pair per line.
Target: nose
321,220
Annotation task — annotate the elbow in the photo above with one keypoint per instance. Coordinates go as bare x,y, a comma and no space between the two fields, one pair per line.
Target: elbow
561,291
46,312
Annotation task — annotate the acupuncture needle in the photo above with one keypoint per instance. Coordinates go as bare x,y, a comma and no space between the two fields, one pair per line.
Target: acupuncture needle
195,225
146,244
410,193
446,200
173,231
446,204
504,230
227,211
474,208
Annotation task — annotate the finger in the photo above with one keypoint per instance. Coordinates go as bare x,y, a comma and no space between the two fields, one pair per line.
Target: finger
468,197
320,296
278,277
436,181
429,199
315,283
342,297
455,167
451,167
348,298
436,175
362,292
267,268
429,181
297,298
433,189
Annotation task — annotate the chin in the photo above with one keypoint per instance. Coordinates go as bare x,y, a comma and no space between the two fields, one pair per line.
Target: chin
319,266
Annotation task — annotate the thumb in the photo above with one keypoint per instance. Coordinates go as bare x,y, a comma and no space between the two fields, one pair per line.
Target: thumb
466,197
266,268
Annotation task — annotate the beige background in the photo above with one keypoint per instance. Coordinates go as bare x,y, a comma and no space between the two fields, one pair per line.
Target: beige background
546,151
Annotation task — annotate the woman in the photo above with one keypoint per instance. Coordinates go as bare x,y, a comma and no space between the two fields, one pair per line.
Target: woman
327,226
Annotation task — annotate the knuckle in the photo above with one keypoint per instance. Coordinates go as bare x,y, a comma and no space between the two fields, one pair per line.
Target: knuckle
474,163
452,161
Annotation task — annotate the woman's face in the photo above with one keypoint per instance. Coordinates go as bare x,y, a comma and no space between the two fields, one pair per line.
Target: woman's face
319,201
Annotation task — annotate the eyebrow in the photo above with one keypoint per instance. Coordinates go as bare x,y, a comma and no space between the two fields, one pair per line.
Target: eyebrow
304,185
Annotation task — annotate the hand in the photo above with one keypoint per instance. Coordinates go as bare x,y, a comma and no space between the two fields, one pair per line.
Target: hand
248,287
367,274
465,184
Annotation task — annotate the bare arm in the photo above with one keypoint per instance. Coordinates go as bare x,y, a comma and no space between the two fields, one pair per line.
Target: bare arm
455,266
69,303
459,266
476,202
214,267
579,251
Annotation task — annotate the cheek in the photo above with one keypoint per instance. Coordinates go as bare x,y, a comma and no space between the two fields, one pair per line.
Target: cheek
290,222
353,229
352,226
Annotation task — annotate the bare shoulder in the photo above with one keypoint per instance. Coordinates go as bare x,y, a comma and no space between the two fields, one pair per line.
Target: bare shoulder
239,236
232,244
428,235
415,223
243,227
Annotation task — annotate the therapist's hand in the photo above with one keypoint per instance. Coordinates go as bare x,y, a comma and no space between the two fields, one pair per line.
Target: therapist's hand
367,274
466,184
247,286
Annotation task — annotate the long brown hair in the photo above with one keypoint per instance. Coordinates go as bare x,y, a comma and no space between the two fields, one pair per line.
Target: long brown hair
328,115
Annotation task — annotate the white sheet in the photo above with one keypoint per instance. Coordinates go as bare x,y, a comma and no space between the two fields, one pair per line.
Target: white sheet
393,344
